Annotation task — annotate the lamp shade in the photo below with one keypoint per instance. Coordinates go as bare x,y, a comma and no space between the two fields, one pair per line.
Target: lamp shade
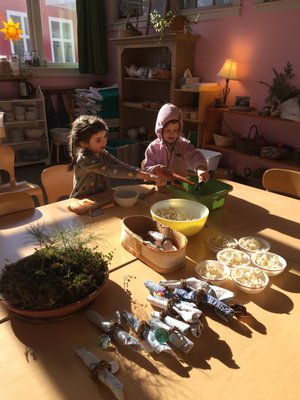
228,70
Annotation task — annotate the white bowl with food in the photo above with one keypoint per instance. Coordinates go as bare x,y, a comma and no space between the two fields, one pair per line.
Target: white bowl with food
233,258
126,198
185,216
212,271
253,244
249,279
272,264
220,241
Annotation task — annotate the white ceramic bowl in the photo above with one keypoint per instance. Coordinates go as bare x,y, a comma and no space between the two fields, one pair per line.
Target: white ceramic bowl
34,133
212,271
220,241
249,279
60,135
233,258
272,264
126,198
253,244
185,216
31,115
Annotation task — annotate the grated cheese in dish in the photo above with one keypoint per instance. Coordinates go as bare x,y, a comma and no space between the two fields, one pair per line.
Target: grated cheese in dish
222,241
174,214
268,260
253,244
233,257
251,277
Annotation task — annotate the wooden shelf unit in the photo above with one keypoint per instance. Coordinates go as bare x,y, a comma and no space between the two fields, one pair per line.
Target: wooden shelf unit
41,123
213,124
176,50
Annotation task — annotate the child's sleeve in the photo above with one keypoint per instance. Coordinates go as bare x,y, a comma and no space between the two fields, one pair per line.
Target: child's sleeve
151,161
195,157
110,166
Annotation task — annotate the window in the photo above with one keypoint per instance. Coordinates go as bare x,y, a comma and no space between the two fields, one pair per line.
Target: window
19,46
62,45
133,7
48,28
263,6
209,9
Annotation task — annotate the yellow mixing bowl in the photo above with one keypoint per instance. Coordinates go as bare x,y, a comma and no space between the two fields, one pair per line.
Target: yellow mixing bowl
199,212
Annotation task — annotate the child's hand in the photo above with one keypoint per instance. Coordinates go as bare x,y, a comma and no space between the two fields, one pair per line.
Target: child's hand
159,181
203,176
163,172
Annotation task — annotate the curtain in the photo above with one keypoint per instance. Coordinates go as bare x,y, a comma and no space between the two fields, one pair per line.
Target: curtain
92,37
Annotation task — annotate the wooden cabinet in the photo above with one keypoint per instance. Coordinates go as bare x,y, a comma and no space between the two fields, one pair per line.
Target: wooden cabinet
288,134
29,136
193,106
141,98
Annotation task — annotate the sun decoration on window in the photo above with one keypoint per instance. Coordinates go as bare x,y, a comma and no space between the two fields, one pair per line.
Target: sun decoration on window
11,30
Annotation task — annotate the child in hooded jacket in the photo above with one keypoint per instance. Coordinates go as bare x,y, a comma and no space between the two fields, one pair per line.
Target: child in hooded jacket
93,164
171,152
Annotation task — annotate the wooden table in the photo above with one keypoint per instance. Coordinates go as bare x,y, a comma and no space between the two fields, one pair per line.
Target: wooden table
256,357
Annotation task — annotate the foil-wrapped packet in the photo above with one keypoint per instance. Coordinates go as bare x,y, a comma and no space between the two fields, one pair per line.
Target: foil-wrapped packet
174,336
114,329
146,334
103,371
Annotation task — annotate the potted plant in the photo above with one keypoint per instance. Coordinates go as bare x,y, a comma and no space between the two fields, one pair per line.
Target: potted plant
171,22
62,275
281,89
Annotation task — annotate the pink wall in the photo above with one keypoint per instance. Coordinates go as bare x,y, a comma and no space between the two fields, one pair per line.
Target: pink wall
258,41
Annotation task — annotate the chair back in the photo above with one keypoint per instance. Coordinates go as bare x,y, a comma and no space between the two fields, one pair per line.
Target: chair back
57,182
12,202
7,161
282,181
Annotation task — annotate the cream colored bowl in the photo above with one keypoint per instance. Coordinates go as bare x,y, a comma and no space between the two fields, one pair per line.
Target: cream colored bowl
212,271
272,264
253,244
185,216
249,279
126,198
233,258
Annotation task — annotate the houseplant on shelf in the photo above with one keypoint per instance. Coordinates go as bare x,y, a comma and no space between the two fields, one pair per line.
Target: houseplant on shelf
62,275
281,89
171,22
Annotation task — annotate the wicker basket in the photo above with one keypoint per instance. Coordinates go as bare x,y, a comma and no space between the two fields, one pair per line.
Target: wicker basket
251,145
223,141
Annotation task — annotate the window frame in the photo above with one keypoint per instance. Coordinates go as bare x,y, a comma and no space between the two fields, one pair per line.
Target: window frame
35,31
61,39
22,15
276,5
203,13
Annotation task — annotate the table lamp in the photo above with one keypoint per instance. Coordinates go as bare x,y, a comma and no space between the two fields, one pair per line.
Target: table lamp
228,72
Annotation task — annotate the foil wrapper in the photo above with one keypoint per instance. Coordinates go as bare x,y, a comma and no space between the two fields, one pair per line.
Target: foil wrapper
114,329
102,371
174,336
150,342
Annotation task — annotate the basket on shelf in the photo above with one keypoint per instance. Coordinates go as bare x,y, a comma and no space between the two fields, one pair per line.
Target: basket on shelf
224,141
251,145
161,74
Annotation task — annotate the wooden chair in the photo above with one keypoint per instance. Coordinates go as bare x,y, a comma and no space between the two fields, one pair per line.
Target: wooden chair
57,182
7,163
12,202
282,181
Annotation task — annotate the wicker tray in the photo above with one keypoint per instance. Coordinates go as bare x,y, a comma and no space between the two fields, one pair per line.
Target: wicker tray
134,232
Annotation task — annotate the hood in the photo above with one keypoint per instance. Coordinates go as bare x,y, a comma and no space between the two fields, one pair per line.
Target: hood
167,113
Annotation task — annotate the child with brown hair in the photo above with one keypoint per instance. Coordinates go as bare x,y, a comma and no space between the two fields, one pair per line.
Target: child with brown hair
93,164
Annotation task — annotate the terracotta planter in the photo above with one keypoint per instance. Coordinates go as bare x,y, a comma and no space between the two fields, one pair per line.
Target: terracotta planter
177,24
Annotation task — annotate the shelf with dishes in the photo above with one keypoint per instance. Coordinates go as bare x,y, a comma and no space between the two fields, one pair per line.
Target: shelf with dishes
25,128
